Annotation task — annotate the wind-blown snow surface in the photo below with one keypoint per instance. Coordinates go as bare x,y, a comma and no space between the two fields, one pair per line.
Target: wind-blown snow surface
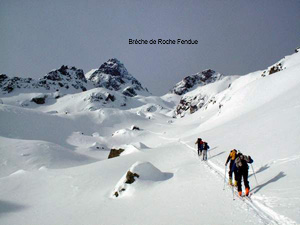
54,167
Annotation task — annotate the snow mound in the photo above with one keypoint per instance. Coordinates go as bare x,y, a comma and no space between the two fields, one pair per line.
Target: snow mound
140,145
147,171
124,150
121,132
29,155
132,131
140,173
129,149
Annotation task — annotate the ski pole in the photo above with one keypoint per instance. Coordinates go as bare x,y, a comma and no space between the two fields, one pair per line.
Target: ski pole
232,192
225,177
254,174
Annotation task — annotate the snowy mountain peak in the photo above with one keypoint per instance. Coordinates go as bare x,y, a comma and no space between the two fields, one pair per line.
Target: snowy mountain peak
114,67
114,76
199,79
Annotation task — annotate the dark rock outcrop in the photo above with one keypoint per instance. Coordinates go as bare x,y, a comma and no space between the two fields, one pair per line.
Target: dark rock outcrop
130,177
115,153
110,97
39,100
192,104
273,69
133,127
129,91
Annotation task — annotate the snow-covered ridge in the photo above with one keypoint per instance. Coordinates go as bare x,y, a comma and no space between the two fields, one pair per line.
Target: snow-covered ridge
110,86
220,89
111,75
203,96
286,62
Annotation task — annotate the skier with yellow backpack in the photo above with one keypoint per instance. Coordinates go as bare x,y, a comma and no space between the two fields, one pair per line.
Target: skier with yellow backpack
231,158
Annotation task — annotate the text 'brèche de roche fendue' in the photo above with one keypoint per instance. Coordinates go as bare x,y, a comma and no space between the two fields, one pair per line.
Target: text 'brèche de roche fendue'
162,41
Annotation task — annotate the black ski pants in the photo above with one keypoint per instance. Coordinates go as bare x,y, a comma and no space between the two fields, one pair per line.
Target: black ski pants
242,173
199,150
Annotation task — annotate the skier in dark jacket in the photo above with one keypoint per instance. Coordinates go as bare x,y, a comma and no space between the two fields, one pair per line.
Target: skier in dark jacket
241,167
231,158
199,142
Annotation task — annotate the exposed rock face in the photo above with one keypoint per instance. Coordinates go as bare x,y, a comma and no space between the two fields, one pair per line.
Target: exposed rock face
115,153
133,127
65,73
39,100
129,91
114,76
189,82
273,69
192,104
110,97
7,84
130,177
95,97
63,78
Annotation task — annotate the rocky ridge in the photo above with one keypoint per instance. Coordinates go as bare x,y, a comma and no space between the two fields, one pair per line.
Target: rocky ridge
111,75
64,78
195,80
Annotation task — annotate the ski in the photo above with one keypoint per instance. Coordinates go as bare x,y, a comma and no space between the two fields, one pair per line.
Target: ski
243,197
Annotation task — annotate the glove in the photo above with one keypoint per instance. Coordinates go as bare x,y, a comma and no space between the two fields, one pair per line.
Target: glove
250,159
225,164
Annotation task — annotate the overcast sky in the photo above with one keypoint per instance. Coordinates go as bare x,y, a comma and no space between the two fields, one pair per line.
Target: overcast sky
235,37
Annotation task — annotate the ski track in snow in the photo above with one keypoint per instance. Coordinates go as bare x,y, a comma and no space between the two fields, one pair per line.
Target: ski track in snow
267,215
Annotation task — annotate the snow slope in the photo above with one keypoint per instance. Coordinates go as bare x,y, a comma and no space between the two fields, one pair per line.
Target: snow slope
53,163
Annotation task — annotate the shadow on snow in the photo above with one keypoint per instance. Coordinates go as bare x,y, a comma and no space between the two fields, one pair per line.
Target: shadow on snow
261,169
220,153
9,207
274,179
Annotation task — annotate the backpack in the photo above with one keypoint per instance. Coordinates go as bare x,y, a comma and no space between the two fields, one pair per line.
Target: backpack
205,146
233,154
242,159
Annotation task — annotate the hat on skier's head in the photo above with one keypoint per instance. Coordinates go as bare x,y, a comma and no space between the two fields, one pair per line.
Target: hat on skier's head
239,152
